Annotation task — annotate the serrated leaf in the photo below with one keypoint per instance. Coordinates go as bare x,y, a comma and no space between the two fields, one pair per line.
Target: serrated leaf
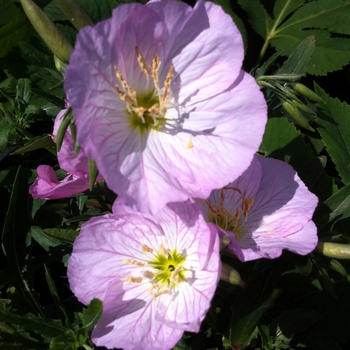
283,141
334,127
319,18
61,234
36,143
19,30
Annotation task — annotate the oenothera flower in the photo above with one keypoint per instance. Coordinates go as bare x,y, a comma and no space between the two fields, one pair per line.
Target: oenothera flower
47,186
156,275
161,103
267,209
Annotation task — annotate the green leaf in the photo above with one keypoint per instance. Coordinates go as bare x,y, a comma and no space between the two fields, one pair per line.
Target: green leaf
298,60
8,11
335,208
89,318
322,18
42,141
242,328
96,10
23,89
283,141
334,128
294,321
19,30
65,341
30,322
5,129
61,234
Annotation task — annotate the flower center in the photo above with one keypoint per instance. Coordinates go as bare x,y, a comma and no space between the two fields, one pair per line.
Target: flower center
230,221
164,270
146,109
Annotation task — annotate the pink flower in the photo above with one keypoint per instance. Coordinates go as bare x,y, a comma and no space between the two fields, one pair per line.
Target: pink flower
161,103
47,186
156,275
267,209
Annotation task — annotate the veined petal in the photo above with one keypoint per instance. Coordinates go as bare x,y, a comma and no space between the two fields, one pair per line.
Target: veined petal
47,186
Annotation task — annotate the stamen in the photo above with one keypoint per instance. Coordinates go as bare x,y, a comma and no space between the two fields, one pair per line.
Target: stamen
163,251
155,72
167,83
132,279
149,274
174,276
133,262
142,63
127,88
189,143
146,249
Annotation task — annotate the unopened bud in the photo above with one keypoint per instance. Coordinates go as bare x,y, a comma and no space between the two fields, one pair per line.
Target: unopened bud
308,93
296,115
76,15
302,107
224,242
334,250
337,266
230,275
52,37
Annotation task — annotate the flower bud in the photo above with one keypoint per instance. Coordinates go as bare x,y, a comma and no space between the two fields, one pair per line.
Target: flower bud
296,115
306,92
230,275
334,250
52,37
74,13
337,266
302,107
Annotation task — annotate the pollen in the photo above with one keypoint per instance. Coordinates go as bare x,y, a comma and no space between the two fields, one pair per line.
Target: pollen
146,109
133,262
132,279
146,249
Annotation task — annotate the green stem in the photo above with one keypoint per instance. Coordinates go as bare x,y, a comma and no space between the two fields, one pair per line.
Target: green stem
272,33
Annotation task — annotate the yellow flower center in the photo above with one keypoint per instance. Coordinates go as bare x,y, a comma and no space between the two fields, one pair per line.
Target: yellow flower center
164,271
146,109
228,221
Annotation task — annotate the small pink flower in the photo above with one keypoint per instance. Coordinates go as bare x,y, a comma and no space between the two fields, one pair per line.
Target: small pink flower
156,275
267,209
161,103
47,186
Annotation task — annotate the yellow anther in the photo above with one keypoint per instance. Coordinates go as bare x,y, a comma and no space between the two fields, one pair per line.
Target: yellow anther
174,276
127,88
132,279
149,274
133,262
155,72
163,251
142,63
146,249
167,83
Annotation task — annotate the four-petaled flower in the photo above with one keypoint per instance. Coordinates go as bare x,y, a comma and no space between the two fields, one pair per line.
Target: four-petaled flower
267,209
161,103
156,275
